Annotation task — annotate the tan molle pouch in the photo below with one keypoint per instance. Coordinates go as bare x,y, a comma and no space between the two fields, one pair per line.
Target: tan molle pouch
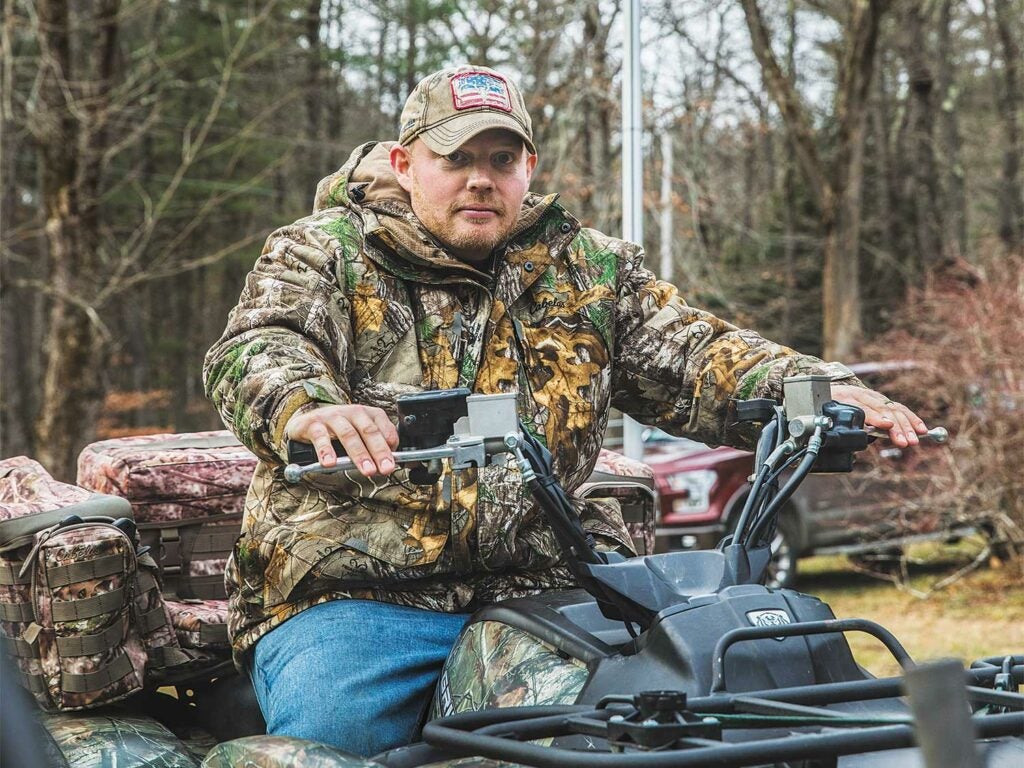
83,586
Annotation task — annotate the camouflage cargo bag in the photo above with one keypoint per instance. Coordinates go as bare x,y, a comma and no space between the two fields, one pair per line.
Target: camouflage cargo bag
188,494
82,578
81,609
65,591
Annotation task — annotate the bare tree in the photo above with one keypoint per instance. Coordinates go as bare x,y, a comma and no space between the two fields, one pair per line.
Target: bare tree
836,186
85,116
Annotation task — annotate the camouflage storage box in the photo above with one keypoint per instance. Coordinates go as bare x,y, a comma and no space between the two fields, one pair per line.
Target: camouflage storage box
31,501
187,492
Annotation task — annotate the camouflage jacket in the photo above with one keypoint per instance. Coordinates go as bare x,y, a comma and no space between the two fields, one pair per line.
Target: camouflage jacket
359,303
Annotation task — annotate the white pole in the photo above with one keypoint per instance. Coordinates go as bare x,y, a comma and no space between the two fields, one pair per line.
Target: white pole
666,205
632,174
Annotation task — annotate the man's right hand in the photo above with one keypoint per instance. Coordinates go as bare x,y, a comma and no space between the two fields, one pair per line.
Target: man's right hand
365,432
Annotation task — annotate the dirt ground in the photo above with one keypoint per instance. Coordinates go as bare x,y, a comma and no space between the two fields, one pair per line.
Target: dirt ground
979,614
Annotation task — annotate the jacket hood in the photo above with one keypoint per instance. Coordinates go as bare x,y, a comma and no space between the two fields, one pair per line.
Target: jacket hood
366,177
367,185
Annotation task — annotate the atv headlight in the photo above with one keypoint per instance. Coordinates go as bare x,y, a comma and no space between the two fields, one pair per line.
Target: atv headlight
694,489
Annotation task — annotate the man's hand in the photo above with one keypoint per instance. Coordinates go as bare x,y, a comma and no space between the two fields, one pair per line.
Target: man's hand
366,433
902,423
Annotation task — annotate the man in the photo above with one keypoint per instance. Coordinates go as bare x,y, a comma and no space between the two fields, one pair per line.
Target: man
427,265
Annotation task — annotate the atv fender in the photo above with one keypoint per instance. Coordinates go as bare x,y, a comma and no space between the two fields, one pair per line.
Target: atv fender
282,752
91,740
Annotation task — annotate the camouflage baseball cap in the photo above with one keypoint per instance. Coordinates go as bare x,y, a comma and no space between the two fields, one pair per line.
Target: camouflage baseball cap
448,108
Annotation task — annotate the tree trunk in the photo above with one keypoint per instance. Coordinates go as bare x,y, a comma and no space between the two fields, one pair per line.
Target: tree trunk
841,284
923,178
1011,198
954,196
70,168
412,44
314,97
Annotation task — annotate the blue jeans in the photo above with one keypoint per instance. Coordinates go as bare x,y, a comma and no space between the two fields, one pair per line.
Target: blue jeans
355,674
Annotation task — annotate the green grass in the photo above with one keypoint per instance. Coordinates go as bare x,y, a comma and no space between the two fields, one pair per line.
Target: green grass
981,613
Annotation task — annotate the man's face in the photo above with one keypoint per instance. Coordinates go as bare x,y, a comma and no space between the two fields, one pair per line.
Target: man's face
470,199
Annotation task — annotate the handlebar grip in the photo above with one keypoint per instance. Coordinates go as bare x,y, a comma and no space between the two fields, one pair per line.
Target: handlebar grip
305,453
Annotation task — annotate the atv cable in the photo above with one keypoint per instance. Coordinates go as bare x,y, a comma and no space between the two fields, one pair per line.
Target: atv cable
784,494
771,485
769,433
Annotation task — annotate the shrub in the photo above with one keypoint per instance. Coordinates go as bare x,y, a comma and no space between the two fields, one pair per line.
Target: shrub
965,328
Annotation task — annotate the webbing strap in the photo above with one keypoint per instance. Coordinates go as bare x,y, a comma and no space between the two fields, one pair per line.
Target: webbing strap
213,634
17,647
16,612
152,620
145,581
73,610
84,570
215,541
86,645
9,574
33,682
202,587
85,682
167,656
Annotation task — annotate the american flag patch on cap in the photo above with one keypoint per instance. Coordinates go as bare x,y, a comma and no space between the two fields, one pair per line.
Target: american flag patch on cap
480,89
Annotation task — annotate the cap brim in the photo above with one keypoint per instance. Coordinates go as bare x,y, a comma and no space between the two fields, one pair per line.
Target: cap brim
452,134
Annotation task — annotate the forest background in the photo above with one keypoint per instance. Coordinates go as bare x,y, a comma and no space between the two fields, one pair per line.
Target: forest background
844,176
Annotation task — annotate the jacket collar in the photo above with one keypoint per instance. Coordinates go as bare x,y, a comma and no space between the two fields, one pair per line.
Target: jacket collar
399,243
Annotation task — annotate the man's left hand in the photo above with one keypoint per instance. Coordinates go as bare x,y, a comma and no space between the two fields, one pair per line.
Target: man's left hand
902,424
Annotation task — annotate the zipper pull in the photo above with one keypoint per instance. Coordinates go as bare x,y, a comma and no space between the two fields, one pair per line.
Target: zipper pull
41,539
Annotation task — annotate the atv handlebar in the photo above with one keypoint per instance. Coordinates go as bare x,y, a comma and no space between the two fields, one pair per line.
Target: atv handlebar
810,430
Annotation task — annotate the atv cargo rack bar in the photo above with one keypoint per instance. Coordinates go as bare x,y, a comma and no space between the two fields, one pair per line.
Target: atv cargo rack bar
772,725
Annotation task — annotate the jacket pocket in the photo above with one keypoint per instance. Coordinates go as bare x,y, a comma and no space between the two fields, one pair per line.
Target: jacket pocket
351,544
503,509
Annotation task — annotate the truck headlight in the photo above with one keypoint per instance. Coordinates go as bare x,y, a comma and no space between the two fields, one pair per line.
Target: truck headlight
693,489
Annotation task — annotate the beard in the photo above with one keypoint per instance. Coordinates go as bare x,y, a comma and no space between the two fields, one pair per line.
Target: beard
467,240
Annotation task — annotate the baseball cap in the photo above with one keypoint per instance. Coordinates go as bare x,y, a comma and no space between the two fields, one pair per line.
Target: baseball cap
448,108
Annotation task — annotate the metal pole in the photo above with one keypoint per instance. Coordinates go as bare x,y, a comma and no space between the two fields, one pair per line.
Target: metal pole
665,271
632,174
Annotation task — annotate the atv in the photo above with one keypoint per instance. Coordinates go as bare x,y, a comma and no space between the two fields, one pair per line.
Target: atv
675,659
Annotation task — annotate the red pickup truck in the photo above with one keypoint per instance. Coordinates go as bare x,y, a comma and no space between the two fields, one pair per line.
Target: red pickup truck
870,513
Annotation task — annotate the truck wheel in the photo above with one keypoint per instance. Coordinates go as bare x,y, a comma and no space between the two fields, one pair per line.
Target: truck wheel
782,568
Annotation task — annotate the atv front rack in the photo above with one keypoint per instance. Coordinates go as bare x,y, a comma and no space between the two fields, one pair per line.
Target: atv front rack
731,730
